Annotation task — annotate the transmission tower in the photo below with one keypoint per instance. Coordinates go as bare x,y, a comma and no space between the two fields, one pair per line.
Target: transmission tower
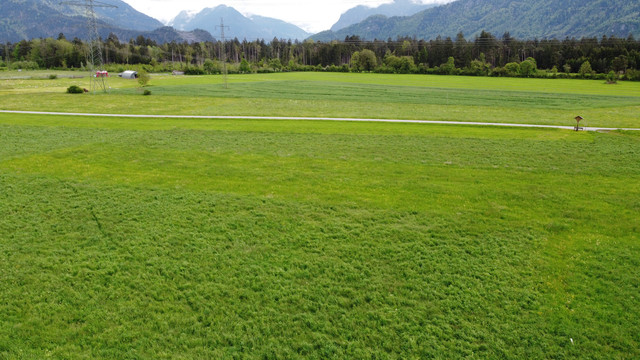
7,59
223,54
98,76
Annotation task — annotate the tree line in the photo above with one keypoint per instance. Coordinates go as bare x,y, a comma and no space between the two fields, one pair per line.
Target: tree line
484,55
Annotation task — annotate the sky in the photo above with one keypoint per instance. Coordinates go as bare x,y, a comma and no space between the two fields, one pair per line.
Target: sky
312,16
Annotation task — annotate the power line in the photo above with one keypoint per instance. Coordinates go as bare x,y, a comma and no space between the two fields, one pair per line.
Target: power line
98,77
223,54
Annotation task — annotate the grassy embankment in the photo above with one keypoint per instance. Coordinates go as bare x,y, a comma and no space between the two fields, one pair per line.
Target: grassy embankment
148,238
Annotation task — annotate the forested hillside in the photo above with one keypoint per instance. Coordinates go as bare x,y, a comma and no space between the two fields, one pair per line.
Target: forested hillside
396,8
523,19
29,19
33,18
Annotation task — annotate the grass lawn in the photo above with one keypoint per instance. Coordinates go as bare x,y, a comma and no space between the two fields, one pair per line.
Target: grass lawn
164,238
448,98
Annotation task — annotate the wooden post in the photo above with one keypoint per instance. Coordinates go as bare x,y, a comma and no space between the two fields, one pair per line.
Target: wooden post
578,119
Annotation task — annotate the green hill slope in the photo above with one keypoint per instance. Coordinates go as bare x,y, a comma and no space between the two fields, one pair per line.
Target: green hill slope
535,19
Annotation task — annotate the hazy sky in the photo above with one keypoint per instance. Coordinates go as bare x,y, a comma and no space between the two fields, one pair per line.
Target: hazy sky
313,16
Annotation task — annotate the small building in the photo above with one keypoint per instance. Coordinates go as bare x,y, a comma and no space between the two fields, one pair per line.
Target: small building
129,74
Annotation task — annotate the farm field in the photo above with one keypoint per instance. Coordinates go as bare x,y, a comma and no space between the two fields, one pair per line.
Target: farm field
166,238
417,97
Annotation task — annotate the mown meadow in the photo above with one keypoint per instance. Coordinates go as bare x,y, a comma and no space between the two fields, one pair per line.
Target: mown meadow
448,98
167,238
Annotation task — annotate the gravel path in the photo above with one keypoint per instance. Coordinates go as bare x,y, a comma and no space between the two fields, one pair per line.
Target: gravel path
316,119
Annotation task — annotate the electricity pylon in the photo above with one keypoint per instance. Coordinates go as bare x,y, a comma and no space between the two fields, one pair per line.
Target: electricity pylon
223,54
98,76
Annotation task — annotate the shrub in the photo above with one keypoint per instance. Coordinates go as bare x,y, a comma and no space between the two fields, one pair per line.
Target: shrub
585,69
528,67
478,68
423,69
398,65
146,92
244,66
498,71
25,65
194,71
212,67
143,77
449,68
334,68
633,75
384,69
74,89
275,64
53,77
512,68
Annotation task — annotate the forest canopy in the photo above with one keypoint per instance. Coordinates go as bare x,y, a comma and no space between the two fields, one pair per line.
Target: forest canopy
484,55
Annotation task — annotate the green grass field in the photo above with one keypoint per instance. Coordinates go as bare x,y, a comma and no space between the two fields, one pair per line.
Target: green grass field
181,239
448,98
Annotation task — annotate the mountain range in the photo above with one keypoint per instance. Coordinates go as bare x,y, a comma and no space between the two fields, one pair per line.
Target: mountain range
239,26
362,12
522,19
28,19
